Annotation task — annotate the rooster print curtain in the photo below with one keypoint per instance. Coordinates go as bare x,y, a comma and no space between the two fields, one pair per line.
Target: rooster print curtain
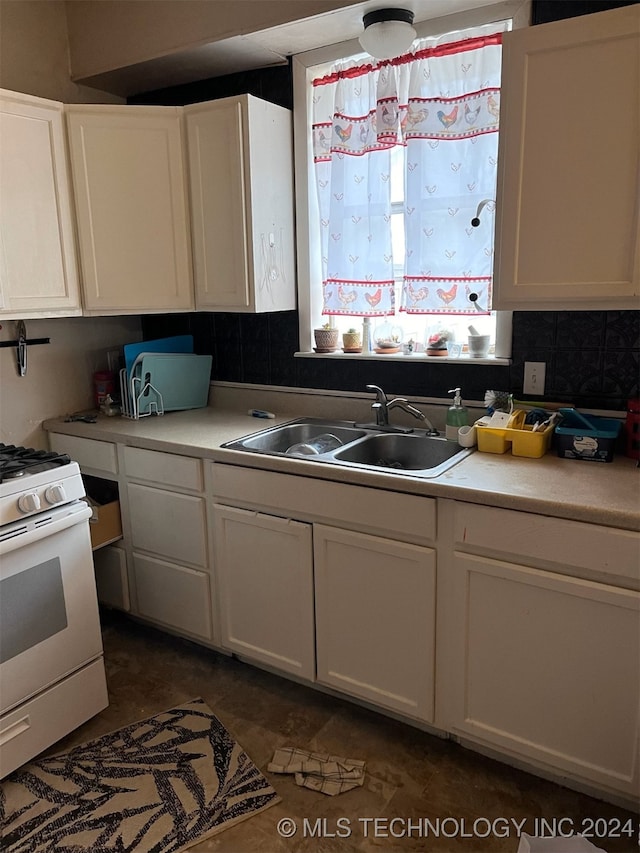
353,167
441,104
451,137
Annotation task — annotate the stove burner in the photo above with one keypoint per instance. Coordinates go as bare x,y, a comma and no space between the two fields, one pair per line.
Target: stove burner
18,461
11,473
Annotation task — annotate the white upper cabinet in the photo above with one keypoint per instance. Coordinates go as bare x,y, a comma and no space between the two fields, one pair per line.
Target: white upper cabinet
567,228
38,273
132,211
241,183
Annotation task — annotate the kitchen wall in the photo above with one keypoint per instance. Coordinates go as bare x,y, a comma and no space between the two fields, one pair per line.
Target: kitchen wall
34,58
59,374
111,34
34,53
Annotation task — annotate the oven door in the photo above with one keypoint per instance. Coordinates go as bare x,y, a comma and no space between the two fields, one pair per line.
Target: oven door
49,621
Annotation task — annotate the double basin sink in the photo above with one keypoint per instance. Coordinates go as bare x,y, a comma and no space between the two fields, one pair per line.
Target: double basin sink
360,446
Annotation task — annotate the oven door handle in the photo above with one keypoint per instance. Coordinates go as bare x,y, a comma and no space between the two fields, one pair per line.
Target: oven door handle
36,530
15,729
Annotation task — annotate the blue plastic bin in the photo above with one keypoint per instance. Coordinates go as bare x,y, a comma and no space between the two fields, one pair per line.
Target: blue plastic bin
586,437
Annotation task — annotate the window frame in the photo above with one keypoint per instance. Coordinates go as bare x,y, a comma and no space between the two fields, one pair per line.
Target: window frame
309,294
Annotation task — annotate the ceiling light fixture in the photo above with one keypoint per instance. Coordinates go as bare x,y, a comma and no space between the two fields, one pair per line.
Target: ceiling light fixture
387,32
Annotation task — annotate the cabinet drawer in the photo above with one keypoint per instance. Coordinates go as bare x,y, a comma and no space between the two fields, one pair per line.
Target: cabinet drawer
183,472
87,452
110,566
34,726
542,540
173,595
168,524
393,514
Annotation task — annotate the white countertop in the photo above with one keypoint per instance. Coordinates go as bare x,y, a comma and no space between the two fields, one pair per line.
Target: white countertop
600,493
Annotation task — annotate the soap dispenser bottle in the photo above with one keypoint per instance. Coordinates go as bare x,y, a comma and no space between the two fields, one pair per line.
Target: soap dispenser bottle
457,416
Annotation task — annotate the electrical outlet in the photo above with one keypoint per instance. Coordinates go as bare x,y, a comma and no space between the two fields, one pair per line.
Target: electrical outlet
534,372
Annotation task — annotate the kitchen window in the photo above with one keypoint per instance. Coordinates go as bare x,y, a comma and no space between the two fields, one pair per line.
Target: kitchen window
380,128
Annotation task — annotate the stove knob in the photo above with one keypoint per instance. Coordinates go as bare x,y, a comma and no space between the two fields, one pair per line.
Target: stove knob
29,502
55,494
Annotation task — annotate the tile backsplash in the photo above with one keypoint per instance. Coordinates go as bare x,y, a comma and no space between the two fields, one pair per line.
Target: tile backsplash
592,357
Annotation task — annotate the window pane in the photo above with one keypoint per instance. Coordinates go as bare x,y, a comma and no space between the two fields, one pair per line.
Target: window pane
397,175
397,243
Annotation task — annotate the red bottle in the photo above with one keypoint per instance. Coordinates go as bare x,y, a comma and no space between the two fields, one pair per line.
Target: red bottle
632,428
103,384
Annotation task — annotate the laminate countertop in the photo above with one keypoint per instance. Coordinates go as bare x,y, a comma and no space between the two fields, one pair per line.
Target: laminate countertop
599,493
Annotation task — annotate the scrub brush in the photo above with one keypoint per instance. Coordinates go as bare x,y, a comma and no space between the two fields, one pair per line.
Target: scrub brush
498,401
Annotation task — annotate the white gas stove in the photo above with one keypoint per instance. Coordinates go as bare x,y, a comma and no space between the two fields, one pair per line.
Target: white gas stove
33,481
51,668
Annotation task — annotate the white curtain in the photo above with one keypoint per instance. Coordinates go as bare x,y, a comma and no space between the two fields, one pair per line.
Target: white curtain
442,103
451,135
353,167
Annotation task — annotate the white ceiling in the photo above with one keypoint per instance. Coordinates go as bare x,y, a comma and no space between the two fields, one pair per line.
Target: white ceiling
273,46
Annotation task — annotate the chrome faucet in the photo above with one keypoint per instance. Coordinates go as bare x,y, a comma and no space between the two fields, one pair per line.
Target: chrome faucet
382,405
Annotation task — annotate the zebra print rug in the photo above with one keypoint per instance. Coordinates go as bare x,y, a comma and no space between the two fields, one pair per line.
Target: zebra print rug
159,785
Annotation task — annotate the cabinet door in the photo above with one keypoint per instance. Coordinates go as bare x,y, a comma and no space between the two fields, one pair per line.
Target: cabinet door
216,144
241,182
38,274
545,667
264,573
130,192
168,524
567,224
375,619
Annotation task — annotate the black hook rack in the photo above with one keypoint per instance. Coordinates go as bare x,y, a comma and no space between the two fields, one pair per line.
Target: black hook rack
30,341
21,343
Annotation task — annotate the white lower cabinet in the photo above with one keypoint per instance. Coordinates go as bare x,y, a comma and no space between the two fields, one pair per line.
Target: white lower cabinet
528,645
264,573
173,595
547,668
375,619
538,665
168,540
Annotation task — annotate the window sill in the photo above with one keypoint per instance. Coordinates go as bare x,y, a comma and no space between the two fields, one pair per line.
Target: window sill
398,356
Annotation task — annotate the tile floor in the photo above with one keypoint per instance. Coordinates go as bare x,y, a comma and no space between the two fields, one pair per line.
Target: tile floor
410,774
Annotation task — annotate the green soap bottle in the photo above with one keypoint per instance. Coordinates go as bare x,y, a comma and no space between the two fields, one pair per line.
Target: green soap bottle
457,416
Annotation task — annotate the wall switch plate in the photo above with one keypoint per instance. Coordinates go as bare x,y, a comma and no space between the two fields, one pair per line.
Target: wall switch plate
534,372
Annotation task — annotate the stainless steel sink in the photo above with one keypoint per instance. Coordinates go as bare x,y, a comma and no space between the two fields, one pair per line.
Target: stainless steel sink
416,453
401,452
279,439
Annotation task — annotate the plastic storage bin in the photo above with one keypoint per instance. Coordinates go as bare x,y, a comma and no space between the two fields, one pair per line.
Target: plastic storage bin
586,437
522,442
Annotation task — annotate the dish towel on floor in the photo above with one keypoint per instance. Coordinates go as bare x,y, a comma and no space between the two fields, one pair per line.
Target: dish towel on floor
328,774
